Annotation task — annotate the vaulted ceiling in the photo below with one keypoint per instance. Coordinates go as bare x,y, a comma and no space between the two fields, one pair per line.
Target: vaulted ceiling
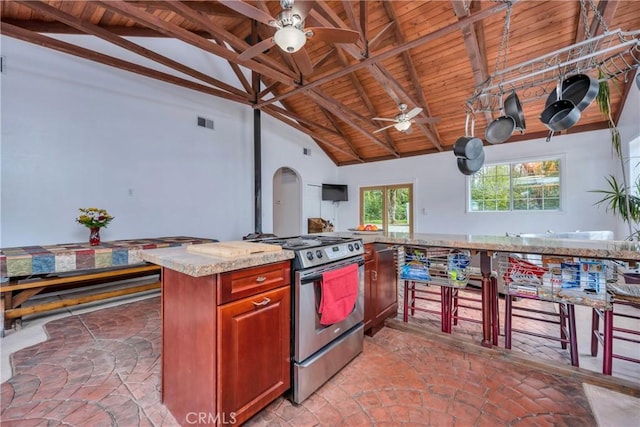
452,59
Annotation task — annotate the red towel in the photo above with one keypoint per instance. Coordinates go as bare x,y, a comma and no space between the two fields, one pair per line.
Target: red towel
339,294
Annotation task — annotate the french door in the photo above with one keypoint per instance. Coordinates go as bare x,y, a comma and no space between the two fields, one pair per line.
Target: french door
389,207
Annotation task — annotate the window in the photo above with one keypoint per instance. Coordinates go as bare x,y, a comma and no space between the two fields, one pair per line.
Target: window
526,186
389,207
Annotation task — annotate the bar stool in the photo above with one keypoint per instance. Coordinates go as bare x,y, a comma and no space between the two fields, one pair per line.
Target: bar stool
470,298
518,272
565,318
415,291
611,331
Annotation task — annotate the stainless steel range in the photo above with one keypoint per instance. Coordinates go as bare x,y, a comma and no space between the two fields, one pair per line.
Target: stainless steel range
319,350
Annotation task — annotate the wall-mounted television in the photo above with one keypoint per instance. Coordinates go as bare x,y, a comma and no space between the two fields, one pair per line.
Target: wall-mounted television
335,192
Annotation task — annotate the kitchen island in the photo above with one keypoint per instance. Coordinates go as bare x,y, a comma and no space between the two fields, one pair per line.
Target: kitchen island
489,248
225,333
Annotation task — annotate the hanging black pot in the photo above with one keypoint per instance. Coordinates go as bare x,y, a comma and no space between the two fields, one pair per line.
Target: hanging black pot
469,167
500,130
467,147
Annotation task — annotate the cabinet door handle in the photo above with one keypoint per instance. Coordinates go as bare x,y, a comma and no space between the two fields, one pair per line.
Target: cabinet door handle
265,301
374,275
260,279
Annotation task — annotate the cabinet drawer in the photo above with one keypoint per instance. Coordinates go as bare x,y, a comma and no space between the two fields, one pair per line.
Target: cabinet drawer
250,281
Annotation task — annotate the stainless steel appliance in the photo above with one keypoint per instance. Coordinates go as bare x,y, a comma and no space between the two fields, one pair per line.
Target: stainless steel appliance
319,351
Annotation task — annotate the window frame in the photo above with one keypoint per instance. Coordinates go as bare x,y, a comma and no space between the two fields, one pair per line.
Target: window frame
561,158
383,188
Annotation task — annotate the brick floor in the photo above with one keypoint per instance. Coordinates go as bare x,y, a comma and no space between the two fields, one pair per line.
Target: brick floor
103,369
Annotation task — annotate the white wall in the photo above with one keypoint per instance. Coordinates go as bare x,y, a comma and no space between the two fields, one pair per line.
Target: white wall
79,134
441,189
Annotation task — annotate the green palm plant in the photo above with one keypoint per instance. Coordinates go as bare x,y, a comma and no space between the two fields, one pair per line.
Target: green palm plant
617,198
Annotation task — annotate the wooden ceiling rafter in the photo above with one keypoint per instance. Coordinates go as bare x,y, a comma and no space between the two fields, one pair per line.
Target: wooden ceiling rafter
334,122
71,49
343,113
394,51
365,98
106,35
379,72
132,12
234,42
432,132
312,134
239,74
477,58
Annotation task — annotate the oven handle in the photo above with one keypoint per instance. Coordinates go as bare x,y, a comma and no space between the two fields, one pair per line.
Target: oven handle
316,273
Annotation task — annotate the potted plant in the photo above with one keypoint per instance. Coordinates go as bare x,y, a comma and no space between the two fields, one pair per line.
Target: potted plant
618,197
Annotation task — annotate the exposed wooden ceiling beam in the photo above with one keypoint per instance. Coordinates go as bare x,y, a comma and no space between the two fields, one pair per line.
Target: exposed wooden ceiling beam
477,58
240,45
207,7
391,52
334,122
60,28
312,134
343,114
99,32
132,12
240,75
60,46
306,122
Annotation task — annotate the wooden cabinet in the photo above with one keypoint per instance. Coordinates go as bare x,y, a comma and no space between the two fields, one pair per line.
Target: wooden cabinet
254,363
225,343
381,286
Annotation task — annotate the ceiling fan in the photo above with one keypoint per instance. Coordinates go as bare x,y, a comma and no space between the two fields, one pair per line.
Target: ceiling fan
290,35
403,121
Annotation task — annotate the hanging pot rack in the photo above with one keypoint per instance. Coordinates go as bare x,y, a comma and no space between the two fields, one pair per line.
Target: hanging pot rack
614,52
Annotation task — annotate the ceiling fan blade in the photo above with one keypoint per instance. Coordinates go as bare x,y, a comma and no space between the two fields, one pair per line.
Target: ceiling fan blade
302,60
257,49
426,120
334,35
411,114
381,129
302,8
384,119
248,11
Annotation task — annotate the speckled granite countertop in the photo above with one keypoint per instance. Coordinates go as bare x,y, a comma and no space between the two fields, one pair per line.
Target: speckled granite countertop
603,249
179,259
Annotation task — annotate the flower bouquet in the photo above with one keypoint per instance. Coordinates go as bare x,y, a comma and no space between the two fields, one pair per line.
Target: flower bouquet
94,219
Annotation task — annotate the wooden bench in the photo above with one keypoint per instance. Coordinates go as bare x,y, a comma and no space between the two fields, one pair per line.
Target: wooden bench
14,293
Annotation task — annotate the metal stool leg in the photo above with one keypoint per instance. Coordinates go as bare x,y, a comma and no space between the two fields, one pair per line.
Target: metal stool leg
508,308
573,340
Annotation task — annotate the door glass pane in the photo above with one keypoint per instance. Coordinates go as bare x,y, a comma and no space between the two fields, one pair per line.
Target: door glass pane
399,209
372,207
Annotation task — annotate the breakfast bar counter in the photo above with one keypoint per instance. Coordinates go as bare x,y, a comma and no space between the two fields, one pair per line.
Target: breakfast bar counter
489,247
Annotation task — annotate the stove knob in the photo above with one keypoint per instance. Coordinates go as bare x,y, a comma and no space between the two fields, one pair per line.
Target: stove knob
309,256
319,253
350,247
357,245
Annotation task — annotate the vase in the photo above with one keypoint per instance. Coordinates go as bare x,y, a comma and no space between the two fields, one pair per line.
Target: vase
94,236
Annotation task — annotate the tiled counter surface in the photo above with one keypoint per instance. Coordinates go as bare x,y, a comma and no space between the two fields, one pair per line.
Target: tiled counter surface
183,261
29,260
602,249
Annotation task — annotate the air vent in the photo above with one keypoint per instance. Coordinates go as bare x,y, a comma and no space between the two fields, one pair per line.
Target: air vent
205,123
306,151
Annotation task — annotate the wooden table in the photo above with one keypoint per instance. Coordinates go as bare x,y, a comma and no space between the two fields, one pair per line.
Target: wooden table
27,271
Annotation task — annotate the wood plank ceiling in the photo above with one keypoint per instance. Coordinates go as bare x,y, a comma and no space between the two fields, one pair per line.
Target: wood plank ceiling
431,54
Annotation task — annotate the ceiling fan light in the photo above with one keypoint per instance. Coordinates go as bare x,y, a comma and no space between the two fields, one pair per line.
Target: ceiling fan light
290,39
402,126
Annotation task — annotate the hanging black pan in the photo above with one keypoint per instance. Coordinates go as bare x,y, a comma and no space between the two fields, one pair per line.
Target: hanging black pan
579,89
561,114
501,128
513,109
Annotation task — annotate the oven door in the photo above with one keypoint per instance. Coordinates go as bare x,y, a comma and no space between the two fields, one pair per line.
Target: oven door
309,334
